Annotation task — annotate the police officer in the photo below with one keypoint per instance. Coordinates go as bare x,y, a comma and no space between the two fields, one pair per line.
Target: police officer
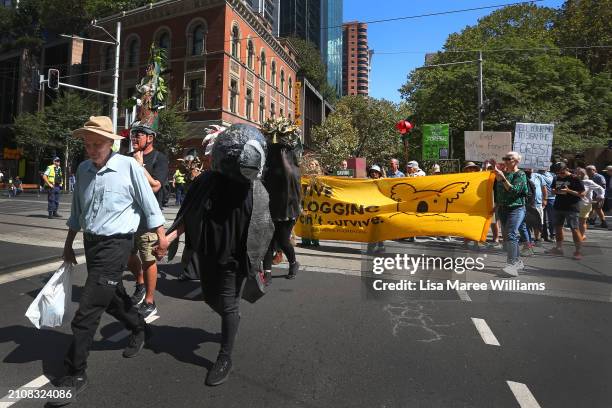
53,179
108,232
178,182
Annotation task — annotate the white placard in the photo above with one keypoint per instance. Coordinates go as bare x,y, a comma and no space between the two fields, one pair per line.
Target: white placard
483,146
534,142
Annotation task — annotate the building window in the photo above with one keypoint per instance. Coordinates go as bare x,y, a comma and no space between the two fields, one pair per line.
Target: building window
109,56
235,42
163,41
195,94
273,73
249,104
282,81
233,95
262,109
250,54
132,54
272,110
262,65
197,42
290,88
282,112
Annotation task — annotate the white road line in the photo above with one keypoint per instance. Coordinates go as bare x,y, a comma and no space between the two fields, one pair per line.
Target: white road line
485,332
463,295
36,270
522,394
35,383
124,333
194,293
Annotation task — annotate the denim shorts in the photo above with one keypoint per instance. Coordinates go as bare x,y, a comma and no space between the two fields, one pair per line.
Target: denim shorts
560,217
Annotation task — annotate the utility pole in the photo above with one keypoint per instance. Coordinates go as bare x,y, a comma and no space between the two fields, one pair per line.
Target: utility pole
116,84
480,94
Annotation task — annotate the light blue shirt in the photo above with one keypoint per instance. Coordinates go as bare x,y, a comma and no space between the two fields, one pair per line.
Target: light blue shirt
539,180
113,199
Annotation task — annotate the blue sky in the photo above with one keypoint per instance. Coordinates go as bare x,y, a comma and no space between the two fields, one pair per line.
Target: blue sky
418,36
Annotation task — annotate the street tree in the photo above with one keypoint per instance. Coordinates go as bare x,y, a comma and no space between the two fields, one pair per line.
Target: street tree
172,128
527,85
312,67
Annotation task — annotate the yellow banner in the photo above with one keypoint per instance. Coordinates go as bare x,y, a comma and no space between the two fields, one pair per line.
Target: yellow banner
366,210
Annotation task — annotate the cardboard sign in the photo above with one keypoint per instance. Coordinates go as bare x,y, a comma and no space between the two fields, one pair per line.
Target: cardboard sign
534,142
435,137
482,146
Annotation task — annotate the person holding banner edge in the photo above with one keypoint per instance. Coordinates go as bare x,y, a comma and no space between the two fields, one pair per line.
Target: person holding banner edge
510,192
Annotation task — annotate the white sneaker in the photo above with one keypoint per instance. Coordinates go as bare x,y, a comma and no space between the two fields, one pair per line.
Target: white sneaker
510,270
520,265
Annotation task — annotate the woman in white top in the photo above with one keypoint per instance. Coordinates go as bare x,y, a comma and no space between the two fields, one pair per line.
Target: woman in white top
586,204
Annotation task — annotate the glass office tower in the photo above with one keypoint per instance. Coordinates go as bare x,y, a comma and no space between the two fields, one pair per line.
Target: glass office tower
331,41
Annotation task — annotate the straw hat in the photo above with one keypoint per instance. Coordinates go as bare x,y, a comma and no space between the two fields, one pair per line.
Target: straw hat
100,125
470,164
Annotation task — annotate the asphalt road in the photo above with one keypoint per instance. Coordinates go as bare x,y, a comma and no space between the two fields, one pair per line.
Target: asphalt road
326,340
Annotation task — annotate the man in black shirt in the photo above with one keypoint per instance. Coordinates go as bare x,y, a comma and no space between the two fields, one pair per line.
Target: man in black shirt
569,190
142,262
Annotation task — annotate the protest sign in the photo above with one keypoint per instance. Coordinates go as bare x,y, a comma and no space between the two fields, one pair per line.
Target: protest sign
370,210
482,146
435,137
534,142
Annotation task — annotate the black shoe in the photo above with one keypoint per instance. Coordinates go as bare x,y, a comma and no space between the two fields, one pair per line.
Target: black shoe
591,221
137,342
604,224
56,215
268,277
220,371
50,216
76,383
147,309
294,268
139,294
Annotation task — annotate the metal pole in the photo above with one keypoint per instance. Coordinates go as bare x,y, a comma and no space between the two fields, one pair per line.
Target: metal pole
480,93
116,84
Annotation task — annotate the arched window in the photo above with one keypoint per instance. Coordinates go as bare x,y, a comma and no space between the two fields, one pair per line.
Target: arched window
109,56
282,81
273,73
290,88
163,41
250,54
132,53
262,65
235,42
197,41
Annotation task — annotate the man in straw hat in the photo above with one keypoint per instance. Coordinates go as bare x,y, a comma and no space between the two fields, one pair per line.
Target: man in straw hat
111,195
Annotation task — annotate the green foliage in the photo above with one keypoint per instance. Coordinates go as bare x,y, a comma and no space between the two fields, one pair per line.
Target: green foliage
360,126
51,129
172,128
312,67
587,23
519,86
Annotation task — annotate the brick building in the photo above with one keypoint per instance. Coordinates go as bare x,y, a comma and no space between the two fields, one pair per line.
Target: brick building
225,64
356,59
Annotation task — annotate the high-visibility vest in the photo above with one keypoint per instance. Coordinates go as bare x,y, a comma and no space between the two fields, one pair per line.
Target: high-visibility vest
179,178
51,175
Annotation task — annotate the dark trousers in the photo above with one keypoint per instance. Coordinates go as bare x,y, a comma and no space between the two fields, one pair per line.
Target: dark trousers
222,288
282,239
53,197
180,194
103,291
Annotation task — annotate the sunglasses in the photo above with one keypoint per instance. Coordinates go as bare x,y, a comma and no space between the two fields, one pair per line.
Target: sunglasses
507,158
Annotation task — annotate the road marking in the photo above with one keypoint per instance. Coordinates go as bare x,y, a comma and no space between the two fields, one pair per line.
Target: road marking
522,394
35,383
124,333
463,295
485,332
194,293
36,270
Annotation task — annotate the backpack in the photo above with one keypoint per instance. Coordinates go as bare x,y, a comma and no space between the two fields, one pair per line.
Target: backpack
531,193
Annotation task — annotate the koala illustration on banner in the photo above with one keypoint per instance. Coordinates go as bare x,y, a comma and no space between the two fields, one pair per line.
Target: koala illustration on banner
426,203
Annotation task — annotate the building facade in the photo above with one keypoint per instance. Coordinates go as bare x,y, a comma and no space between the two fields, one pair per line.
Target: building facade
331,41
268,10
356,62
302,19
225,65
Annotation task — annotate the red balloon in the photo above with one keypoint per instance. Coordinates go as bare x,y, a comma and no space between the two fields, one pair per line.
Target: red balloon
404,126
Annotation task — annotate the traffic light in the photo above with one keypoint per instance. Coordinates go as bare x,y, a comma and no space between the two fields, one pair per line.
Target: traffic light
53,78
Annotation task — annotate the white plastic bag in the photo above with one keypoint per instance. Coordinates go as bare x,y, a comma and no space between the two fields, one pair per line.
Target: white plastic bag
51,303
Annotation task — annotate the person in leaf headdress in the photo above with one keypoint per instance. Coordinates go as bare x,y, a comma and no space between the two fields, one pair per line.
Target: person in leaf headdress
282,180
